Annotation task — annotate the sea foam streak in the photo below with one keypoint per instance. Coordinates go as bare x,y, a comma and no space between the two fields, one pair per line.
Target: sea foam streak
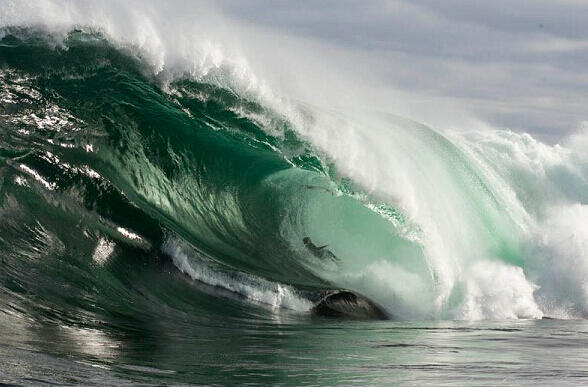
252,288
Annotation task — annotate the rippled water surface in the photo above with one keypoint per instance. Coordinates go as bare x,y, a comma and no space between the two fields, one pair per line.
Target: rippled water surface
284,349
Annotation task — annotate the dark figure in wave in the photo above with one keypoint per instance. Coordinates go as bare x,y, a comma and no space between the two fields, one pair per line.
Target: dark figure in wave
320,251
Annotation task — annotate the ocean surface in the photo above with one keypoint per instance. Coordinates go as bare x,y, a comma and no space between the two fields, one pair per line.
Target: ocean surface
291,350
151,226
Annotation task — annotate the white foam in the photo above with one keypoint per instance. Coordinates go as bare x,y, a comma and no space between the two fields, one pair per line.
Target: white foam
129,234
104,248
253,288
494,290
578,140
49,185
561,260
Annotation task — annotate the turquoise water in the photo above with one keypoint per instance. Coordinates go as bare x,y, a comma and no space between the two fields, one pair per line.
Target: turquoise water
151,231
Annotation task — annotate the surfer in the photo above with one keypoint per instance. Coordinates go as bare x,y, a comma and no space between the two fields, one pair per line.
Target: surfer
307,186
319,251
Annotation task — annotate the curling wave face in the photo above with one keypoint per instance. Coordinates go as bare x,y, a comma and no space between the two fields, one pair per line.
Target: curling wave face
111,172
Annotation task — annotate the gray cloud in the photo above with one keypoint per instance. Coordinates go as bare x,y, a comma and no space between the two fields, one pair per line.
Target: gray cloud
521,65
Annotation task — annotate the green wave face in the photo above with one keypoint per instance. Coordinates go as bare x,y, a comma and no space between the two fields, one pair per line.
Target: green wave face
115,180
95,154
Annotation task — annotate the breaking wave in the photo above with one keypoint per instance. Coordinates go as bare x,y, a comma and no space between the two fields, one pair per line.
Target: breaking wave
120,156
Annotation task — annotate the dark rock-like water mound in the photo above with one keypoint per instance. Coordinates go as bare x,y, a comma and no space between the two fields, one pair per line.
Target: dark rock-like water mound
346,304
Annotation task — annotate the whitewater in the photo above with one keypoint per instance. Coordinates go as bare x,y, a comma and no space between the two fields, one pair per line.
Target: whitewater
157,180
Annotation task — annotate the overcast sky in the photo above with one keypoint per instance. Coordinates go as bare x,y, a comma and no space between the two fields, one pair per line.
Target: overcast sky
520,64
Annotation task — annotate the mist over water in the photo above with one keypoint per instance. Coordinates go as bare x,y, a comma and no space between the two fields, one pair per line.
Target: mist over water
155,178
